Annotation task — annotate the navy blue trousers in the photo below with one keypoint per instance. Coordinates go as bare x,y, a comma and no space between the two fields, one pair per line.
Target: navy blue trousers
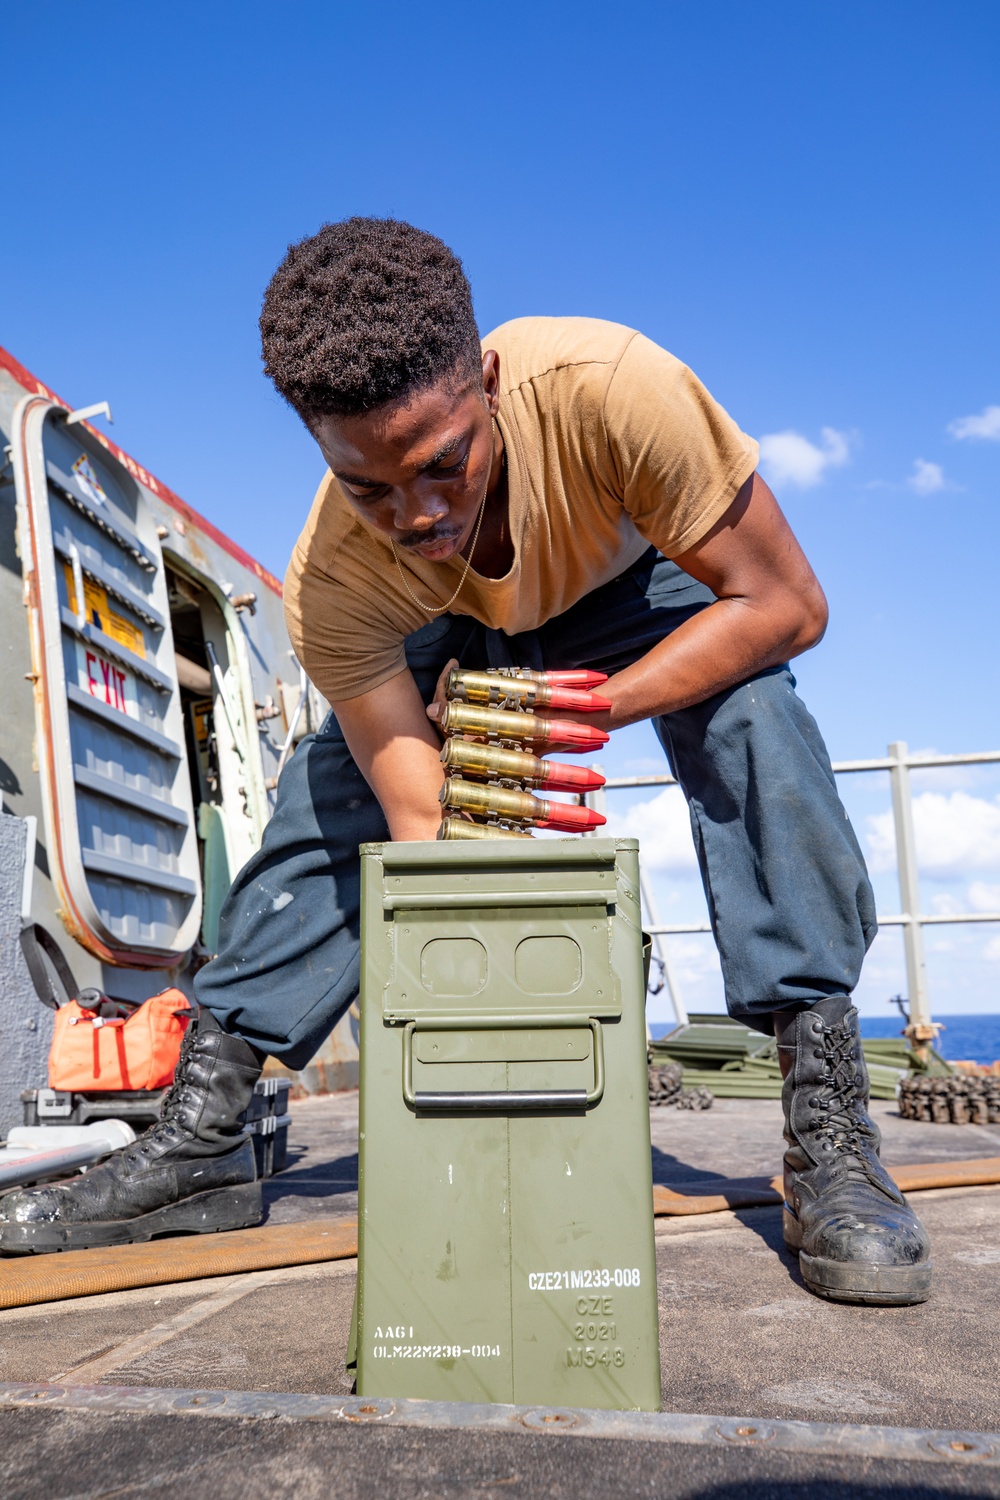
788,895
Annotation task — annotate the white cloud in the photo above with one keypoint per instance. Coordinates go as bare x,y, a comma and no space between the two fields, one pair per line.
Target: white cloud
954,833
943,778
992,950
983,897
926,477
663,827
694,960
985,425
643,765
790,458
945,904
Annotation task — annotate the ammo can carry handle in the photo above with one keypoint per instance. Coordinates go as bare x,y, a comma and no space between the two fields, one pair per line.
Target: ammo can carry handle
503,1100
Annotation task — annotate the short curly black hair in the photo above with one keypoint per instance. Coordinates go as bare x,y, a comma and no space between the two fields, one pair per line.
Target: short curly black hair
363,314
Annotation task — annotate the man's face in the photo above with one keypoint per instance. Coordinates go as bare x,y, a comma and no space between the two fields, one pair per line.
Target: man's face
418,473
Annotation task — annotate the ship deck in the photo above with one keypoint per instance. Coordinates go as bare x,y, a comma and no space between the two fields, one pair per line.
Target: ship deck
766,1390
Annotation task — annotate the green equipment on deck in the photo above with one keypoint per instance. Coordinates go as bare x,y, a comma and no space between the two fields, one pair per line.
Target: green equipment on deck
735,1062
505,1219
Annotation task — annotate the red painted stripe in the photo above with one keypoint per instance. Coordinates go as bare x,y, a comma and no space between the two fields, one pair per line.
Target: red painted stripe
162,492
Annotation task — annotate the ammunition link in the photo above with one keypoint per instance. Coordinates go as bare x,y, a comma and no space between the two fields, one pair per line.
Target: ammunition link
970,1099
491,691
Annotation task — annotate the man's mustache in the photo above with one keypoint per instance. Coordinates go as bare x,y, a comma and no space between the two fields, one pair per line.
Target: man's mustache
426,538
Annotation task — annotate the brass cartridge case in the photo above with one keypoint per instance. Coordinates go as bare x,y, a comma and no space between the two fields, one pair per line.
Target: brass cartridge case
492,690
458,828
520,693
580,677
493,762
500,726
491,801
495,724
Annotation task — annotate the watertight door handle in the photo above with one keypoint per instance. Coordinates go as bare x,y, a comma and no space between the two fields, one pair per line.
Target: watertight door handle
502,1100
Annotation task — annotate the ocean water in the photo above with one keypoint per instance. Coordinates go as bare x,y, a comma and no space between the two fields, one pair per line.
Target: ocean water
964,1039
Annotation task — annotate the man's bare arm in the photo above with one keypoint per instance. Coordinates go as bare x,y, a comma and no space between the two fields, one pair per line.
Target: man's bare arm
396,749
770,607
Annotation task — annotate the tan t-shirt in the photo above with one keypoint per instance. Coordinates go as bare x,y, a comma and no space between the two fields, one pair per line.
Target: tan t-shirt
612,445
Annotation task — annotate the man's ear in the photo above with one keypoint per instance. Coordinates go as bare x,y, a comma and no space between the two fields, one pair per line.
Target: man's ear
491,380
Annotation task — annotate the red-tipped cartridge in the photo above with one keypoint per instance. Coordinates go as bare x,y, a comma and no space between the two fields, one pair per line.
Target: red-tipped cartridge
505,728
579,677
566,697
492,763
569,819
517,807
560,778
574,736
493,690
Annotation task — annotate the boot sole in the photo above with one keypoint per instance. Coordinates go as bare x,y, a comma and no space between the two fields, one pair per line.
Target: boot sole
204,1213
857,1281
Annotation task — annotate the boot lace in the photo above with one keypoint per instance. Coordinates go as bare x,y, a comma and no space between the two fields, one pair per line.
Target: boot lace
168,1128
842,1120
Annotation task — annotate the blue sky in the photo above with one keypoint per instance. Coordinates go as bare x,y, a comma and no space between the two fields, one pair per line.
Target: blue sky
799,201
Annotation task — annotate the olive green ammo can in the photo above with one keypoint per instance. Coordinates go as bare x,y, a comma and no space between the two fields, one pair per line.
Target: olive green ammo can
505,1220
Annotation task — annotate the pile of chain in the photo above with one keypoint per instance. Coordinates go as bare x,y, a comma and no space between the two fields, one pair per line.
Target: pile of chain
968,1099
699,1098
495,733
665,1082
666,1086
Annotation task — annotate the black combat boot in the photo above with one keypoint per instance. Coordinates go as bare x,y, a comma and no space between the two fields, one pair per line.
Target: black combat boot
191,1173
858,1239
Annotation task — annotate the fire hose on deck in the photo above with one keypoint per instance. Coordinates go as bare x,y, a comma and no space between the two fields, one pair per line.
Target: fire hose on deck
85,1273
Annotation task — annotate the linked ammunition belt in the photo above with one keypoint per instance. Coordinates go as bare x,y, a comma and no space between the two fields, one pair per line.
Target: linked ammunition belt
968,1099
496,732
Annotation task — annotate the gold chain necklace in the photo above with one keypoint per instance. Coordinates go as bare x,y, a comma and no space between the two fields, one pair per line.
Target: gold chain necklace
440,609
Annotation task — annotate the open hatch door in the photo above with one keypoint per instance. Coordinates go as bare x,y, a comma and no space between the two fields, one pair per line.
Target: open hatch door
110,730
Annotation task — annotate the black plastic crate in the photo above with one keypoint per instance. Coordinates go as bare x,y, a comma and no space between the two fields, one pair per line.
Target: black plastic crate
266,1117
270,1097
270,1143
139,1107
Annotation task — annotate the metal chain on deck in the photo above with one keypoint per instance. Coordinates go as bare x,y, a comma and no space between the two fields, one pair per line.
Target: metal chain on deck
666,1086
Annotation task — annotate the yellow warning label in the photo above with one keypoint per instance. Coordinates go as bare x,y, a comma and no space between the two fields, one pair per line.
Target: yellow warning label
102,616
201,712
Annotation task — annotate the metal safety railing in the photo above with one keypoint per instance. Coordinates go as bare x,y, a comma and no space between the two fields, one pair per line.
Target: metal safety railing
899,763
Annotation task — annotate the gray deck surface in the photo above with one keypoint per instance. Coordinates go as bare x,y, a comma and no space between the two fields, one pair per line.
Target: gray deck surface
740,1337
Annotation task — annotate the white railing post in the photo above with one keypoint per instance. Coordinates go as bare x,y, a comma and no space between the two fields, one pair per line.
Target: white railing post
898,763
660,949
921,1028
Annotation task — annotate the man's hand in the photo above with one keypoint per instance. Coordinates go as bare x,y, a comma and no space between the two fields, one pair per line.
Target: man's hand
436,706
769,608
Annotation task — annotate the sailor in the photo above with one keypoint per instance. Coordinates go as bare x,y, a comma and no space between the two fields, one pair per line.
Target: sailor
562,493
